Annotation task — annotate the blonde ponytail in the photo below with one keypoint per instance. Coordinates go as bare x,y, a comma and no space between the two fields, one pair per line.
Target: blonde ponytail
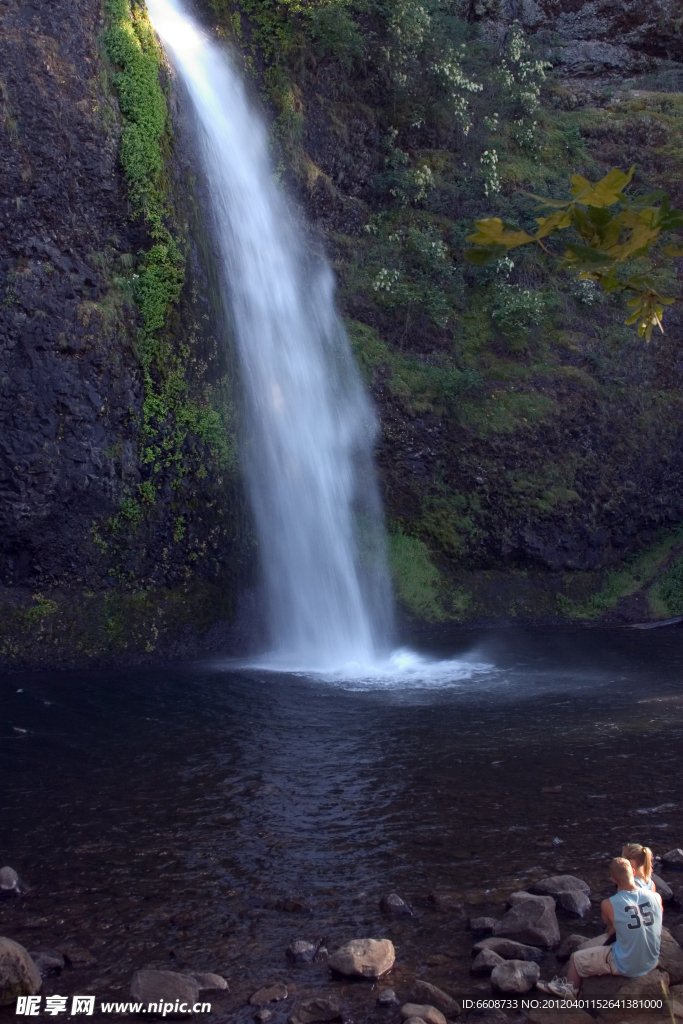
640,856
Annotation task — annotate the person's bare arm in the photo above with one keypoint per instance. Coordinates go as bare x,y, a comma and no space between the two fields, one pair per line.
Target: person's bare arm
607,911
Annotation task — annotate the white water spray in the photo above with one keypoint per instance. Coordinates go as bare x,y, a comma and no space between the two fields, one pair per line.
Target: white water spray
310,427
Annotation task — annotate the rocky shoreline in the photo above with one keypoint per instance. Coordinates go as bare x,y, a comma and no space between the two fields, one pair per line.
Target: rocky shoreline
369,980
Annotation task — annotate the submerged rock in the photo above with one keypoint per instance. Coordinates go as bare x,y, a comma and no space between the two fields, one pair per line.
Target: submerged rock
264,1017
387,998
448,902
301,952
482,925
48,961
269,994
294,905
9,882
150,986
211,983
531,919
77,957
515,976
364,958
424,992
394,906
19,975
313,1011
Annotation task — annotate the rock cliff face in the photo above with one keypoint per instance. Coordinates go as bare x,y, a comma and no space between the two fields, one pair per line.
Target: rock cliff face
521,459
595,40
113,537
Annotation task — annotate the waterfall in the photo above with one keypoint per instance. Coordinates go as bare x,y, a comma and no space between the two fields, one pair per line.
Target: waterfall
310,428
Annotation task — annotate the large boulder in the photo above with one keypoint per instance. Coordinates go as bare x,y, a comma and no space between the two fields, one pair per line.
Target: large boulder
673,859
364,958
556,884
315,1011
485,961
509,949
663,888
424,992
671,958
560,1017
569,945
530,919
163,987
515,976
649,986
19,975
571,893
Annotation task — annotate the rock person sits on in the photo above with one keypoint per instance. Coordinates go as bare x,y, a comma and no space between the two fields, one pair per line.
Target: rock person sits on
634,917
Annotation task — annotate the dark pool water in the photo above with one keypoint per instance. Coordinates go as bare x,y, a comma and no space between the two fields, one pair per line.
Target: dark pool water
160,815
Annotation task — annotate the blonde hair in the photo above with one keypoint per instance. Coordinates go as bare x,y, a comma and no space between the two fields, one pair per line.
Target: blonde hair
621,871
639,856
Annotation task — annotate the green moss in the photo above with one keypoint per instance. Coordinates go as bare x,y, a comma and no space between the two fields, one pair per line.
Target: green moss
419,386
450,521
504,412
634,575
666,596
131,45
416,578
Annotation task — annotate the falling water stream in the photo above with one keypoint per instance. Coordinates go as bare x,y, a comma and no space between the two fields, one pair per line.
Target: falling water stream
310,430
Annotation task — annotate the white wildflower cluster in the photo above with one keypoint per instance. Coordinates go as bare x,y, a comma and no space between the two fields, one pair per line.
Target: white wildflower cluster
489,161
492,123
386,280
505,266
419,180
520,76
526,134
452,76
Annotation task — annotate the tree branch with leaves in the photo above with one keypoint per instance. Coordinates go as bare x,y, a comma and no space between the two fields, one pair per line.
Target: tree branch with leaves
609,240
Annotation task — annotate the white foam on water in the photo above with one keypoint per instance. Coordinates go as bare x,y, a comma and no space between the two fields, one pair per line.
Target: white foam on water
403,669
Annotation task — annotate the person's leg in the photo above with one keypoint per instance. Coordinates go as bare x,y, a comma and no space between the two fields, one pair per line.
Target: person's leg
573,976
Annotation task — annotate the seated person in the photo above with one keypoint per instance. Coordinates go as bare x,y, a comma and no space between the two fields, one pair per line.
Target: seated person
640,859
634,915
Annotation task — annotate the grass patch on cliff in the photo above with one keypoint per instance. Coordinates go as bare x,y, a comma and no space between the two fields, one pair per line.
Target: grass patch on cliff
419,585
419,386
632,577
666,596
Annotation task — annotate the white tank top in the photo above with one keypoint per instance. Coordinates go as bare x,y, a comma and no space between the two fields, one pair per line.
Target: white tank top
638,924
